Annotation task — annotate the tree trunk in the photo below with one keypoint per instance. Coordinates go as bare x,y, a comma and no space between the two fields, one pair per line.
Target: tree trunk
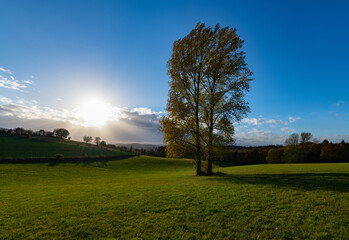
197,130
198,167
210,143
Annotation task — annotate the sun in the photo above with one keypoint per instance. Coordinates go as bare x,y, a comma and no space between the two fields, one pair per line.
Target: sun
95,113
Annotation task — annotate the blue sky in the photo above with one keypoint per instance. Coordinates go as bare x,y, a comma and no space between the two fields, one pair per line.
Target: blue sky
57,55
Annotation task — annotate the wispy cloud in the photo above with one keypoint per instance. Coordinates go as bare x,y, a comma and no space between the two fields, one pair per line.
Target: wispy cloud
257,137
7,80
27,82
261,121
287,130
5,70
293,119
11,83
339,103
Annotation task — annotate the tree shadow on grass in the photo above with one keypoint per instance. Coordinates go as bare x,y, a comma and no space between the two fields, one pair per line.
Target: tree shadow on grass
338,182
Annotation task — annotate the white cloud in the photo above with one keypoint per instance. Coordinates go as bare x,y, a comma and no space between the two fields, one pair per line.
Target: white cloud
287,130
5,100
293,119
27,82
7,80
59,99
143,111
11,83
5,70
261,121
257,137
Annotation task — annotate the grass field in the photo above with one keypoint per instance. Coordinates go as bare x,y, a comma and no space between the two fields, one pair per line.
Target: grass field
17,146
155,198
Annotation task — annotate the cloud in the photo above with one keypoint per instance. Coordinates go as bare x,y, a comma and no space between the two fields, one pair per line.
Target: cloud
5,100
260,121
287,130
28,82
5,70
11,83
293,119
59,99
143,111
7,80
126,125
257,137
339,103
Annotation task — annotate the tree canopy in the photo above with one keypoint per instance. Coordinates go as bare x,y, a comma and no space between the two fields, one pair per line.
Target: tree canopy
61,132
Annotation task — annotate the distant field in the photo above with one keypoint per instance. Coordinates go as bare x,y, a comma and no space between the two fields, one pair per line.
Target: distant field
156,198
21,146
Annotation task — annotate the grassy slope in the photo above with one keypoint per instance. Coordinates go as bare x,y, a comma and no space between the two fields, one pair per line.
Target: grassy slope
21,146
154,198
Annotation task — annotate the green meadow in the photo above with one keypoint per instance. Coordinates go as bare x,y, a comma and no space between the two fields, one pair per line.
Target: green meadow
156,198
19,146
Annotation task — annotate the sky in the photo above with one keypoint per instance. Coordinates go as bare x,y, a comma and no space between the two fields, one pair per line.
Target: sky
60,61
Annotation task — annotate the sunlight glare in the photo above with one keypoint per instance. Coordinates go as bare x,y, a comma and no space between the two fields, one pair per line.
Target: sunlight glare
96,113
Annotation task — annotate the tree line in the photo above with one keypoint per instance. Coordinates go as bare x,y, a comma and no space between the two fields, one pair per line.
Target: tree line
58,132
159,151
298,149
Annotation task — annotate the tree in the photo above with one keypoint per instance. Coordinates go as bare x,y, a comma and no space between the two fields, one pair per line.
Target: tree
87,139
42,132
292,139
208,79
103,144
305,137
61,133
182,128
226,79
19,130
97,141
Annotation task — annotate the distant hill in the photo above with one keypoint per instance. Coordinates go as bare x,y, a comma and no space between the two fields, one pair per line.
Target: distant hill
18,146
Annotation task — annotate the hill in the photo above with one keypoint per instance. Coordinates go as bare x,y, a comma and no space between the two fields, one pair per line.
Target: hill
20,146
157,198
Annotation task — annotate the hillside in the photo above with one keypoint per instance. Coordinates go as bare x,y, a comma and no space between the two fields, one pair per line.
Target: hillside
18,146
157,198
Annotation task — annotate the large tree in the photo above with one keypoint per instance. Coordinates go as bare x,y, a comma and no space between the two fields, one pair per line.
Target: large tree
306,137
292,140
208,79
87,139
225,81
97,141
182,126
61,133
